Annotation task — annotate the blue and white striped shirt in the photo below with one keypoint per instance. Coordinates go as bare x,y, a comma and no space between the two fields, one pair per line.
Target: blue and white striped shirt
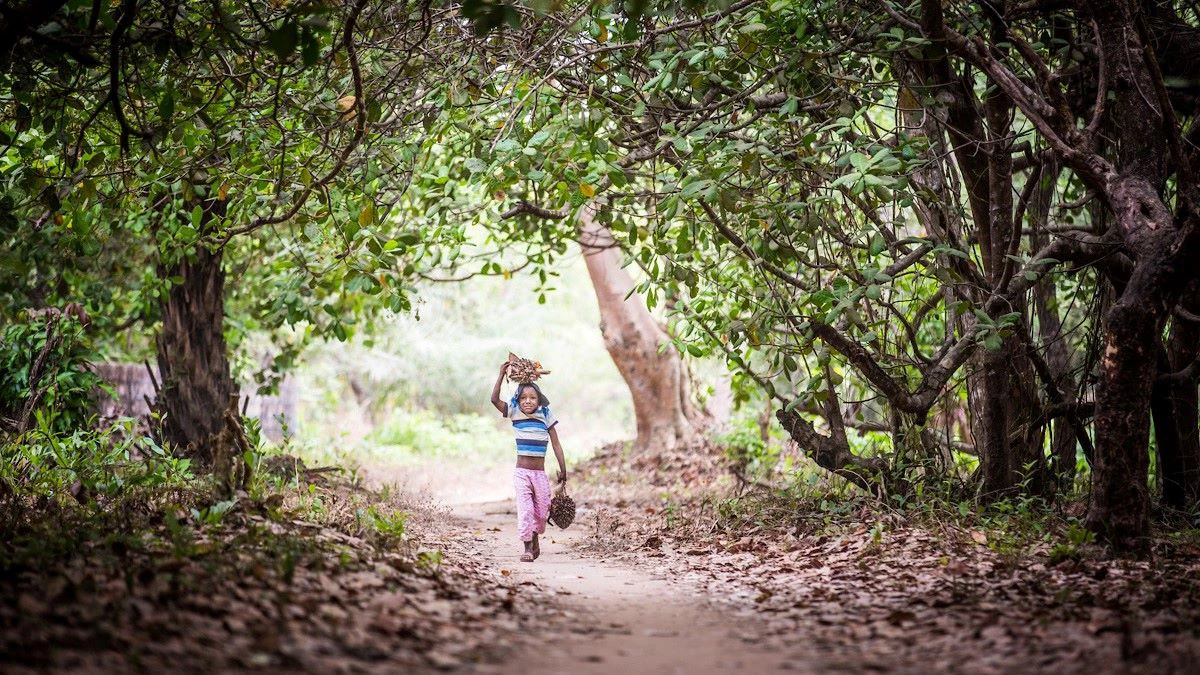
532,431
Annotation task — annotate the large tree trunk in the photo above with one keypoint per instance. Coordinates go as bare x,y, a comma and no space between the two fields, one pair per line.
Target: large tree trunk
192,359
1174,404
1160,244
657,380
1120,498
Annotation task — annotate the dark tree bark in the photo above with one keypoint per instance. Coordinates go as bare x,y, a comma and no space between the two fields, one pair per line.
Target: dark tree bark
1160,242
1002,400
1003,411
832,452
1174,405
657,380
192,355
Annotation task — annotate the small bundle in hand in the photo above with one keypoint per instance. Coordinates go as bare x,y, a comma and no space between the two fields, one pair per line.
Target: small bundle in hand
523,370
562,508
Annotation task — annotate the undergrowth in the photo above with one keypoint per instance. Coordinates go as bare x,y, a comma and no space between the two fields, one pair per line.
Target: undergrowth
778,492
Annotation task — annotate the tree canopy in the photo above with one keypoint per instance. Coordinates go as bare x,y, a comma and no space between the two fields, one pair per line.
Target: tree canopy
948,240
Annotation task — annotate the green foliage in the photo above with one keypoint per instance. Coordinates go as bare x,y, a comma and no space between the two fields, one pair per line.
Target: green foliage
1075,537
279,136
212,514
776,175
430,559
389,526
746,449
57,349
89,464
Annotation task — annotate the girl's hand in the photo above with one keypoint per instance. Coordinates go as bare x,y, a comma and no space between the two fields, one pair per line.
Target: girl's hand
562,476
504,366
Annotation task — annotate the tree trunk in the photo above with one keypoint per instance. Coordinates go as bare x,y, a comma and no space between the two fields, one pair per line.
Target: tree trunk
1002,403
1162,246
657,380
1063,443
192,359
1003,408
1173,405
1120,498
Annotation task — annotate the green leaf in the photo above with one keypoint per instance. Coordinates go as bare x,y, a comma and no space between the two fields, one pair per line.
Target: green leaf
310,47
283,38
877,245
166,107
992,342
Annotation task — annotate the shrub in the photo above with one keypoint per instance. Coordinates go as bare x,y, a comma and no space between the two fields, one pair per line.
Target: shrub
53,348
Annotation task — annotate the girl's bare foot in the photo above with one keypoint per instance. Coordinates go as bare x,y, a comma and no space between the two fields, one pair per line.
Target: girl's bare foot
535,549
526,557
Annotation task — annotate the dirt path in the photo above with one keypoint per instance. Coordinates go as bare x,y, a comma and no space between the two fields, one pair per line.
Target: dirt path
617,619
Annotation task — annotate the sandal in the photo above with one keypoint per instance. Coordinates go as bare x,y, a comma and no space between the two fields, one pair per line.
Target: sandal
526,557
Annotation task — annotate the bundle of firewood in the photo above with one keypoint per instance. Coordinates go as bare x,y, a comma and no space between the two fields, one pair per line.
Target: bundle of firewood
524,370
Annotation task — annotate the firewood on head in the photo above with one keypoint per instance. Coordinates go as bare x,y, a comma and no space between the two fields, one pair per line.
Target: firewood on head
524,370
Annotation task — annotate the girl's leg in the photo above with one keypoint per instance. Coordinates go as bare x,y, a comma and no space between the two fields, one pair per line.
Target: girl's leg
541,500
523,488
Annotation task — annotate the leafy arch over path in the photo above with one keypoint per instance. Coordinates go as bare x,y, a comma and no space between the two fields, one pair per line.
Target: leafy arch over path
887,214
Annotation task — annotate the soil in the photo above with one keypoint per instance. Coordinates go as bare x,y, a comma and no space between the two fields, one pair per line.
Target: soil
612,617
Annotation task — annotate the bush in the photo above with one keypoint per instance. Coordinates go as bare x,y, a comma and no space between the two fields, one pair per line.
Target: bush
87,463
53,349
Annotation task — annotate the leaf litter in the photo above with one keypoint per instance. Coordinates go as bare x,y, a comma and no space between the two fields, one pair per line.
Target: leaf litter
293,588
890,591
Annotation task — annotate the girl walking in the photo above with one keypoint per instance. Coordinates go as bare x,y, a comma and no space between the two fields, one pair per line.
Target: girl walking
535,428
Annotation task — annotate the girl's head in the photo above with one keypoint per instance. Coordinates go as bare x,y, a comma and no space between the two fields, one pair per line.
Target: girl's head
529,398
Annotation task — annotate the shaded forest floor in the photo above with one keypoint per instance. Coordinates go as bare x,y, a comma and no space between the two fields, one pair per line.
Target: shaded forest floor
856,588
327,577
665,569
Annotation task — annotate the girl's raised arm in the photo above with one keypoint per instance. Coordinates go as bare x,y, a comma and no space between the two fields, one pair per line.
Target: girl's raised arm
500,405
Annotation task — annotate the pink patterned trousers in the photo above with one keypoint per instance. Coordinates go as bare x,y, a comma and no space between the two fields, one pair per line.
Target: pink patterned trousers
533,501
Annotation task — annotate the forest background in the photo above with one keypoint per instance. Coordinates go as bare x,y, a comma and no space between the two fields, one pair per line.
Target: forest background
947,247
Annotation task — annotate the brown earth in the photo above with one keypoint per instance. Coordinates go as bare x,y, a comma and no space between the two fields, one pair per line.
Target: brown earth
609,616
670,567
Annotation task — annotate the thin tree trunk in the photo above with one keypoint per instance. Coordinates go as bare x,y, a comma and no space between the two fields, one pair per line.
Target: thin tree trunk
1003,408
192,358
1174,405
657,380
1001,402
1063,443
